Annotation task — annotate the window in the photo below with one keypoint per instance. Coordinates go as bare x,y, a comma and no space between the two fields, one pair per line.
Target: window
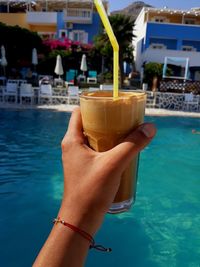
57,10
69,25
157,46
160,19
62,33
72,12
83,13
190,21
197,75
188,48
79,36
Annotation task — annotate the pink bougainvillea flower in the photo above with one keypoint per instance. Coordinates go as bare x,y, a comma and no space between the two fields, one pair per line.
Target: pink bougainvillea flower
66,44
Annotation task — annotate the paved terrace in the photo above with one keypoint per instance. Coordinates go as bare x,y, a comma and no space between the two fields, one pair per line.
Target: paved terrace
69,108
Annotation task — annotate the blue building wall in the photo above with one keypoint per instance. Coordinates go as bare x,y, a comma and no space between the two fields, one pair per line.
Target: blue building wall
92,29
169,43
172,33
60,22
142,45
195,44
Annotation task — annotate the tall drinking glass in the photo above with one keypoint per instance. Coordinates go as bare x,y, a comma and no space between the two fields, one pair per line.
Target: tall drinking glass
106,121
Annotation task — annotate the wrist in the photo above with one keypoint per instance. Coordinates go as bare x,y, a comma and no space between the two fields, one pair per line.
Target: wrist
87,220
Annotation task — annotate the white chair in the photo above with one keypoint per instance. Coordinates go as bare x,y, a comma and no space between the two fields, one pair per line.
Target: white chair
58,82
106,87
45,79
190,100
26,91
73,94
17,81
10,91
92,80
81,78
13,81
67,84
45,92
20,81
92,76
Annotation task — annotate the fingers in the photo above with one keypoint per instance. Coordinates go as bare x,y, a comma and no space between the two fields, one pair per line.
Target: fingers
75,128
133,144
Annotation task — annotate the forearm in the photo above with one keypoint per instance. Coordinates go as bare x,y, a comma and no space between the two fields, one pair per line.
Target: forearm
91,180
65,247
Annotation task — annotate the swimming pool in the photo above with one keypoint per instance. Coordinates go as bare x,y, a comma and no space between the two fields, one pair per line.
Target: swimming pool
163,228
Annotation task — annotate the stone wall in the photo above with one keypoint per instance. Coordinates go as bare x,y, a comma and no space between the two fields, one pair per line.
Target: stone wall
172,101
179,86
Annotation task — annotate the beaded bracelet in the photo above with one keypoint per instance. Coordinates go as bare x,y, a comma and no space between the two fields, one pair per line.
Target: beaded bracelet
83,234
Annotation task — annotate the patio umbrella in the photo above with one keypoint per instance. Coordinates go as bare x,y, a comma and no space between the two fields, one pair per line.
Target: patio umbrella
4,62
59,68
34,57
125,67
83,63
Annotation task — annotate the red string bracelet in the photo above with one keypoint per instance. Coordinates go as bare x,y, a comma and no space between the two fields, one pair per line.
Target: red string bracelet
83,234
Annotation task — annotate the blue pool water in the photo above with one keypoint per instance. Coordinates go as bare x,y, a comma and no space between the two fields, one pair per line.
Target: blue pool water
161,230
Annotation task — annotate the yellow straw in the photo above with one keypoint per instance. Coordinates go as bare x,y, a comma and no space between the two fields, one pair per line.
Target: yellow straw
114,43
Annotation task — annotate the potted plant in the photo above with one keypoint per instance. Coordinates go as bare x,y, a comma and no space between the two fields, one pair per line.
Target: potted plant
153,74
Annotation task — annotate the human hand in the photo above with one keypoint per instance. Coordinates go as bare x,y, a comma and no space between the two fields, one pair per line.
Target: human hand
91,179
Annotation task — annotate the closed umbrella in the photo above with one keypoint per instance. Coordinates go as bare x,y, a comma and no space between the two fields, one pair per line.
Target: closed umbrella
83,64
4,62
59,68
34,57
125,67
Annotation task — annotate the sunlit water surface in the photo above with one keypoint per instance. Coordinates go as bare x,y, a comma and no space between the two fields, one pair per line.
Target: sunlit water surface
161,230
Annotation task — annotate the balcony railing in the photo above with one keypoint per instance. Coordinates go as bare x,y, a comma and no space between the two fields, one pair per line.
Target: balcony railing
78,15
158,55
41,17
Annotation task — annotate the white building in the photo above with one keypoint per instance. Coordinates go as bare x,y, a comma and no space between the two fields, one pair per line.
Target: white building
162,33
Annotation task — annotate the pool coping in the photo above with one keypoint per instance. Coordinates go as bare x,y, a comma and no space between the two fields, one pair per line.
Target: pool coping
69,108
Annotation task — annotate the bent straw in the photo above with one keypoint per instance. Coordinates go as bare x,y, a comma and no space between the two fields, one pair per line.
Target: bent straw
102,13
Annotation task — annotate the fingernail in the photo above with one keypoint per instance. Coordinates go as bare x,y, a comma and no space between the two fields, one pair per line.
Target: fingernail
148,130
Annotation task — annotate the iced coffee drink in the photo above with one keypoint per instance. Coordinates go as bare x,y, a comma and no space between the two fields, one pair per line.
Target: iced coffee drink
106,121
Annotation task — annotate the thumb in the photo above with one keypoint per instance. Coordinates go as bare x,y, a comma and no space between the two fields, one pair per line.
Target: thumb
137,140
75,128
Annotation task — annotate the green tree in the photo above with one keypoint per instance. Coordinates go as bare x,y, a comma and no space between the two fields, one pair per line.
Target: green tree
153,72
123,29
19,43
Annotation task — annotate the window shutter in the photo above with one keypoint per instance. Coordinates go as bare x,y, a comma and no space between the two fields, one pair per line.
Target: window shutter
71,36
85,41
